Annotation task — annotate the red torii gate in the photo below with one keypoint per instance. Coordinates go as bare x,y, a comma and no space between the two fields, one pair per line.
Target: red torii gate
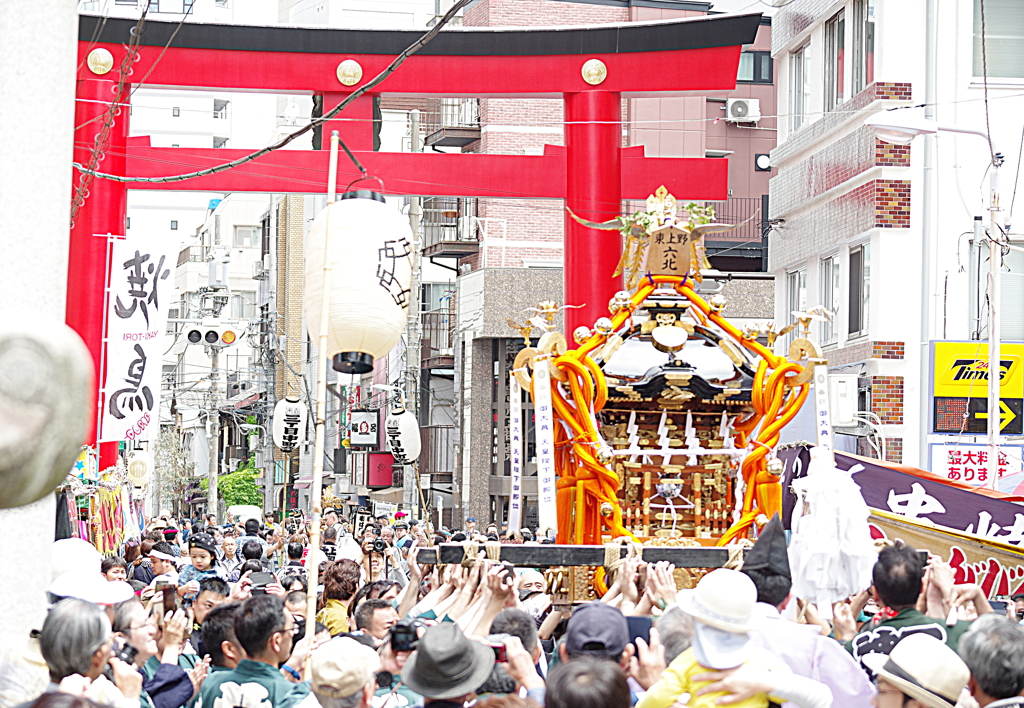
592,172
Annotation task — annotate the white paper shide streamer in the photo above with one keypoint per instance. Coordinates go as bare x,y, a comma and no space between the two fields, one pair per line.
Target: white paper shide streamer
139,294
515,436
547,510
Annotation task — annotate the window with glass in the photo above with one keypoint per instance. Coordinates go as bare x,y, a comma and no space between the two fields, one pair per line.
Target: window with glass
799,87
243,305
859,293
829,296
796,297
755,68
835,60
247,236
863,44
1004,34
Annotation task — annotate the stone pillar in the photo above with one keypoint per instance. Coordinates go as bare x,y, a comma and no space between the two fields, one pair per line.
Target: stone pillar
35,189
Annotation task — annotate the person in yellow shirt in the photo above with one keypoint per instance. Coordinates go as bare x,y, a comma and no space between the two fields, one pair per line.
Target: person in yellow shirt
722,608
341,582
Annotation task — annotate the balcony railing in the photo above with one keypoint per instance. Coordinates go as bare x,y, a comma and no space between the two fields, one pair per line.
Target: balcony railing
438,456
437,345
192,254
746,241
450,227
452,122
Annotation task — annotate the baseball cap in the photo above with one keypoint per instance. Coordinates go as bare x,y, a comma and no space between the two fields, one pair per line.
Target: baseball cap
341,667
596,628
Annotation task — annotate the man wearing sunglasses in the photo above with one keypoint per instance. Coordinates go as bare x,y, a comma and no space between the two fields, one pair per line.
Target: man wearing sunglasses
265,631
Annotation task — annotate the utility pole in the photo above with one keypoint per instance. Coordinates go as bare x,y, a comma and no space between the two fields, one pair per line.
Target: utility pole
411,487
213,433
995,369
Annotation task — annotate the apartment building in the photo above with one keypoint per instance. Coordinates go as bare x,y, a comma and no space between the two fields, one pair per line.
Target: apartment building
884,235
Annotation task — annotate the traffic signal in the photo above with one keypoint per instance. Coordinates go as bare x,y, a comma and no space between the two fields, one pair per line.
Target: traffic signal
213,333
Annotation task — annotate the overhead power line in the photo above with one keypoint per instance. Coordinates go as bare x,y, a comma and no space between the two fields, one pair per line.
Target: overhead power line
390,69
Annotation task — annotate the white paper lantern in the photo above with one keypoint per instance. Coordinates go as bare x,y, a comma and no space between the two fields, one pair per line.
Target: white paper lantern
370,254
289,425
403,436
139,465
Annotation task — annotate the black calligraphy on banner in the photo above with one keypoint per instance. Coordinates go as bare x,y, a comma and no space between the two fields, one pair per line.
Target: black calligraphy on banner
139,276
923,498
136,397
387,263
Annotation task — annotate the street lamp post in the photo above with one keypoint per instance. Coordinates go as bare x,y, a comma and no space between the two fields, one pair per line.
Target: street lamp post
900,128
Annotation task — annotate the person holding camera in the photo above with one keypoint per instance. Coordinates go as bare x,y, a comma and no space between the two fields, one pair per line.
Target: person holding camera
165,683
76,644
394,653
381,561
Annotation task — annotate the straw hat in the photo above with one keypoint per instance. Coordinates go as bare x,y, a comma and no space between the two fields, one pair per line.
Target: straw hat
924,668
341,667
724,599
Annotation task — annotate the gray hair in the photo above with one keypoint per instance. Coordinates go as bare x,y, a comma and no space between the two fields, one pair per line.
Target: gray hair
73,631
992,650
343,702
675,628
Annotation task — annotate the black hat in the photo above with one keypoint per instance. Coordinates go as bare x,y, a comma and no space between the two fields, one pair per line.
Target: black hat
596,627
447,664
769,553
204,541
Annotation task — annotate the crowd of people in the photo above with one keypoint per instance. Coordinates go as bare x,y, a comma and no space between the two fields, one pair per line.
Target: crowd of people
215,616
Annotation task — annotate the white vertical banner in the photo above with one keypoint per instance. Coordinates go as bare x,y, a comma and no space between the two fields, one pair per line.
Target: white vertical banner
545,432
138,296
515,436
823,418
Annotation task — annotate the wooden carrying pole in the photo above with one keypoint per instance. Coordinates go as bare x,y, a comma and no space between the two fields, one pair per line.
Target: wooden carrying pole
324,360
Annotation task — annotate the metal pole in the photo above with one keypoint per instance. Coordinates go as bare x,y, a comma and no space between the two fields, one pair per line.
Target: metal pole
323,361
928,205
994,311
413,327
213,435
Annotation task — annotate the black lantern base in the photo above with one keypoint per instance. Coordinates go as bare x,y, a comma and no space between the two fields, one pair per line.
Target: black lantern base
353,363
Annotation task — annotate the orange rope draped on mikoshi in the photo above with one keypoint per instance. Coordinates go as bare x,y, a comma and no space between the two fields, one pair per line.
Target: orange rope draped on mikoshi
775,401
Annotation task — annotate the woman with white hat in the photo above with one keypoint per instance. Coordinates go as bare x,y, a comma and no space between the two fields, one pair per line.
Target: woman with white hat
919,672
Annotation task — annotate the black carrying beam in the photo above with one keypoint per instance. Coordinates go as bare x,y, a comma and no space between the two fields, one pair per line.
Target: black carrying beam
548,555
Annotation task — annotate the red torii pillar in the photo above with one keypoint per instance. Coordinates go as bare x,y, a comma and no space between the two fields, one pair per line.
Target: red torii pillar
593,141
103,212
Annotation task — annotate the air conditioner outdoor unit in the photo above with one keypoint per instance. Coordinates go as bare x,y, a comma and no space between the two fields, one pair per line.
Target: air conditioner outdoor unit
842,390
742,110
467,228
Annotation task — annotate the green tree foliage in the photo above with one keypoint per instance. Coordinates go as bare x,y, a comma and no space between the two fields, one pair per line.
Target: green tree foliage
239,487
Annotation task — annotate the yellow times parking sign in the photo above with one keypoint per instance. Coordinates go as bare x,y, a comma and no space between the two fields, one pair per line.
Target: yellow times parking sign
960,376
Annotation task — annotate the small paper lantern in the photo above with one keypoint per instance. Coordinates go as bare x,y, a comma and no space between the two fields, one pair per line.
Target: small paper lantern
139,465
403,436
370,278
289,423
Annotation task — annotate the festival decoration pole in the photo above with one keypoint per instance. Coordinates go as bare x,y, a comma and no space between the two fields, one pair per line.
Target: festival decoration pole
323,361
